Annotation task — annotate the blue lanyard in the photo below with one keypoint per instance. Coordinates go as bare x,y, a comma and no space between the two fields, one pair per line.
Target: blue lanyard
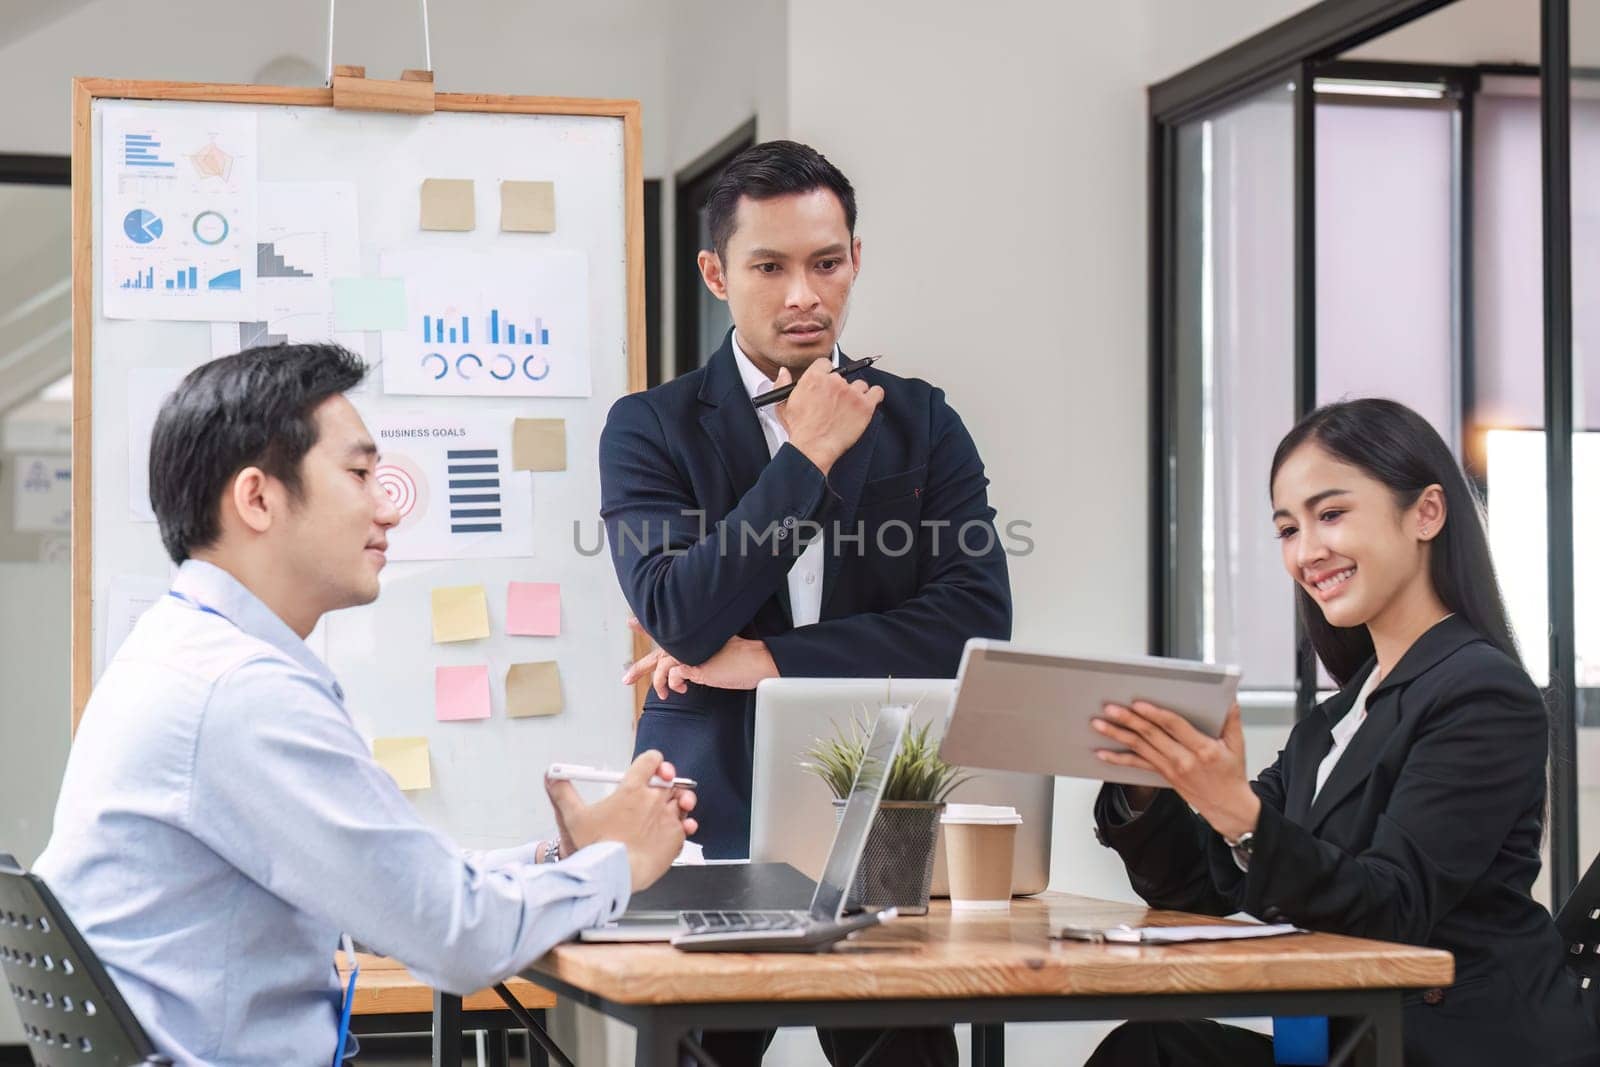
193,603
344,1017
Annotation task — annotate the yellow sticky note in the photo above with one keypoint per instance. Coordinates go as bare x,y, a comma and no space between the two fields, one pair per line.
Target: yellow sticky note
539,445
528,207
460,613
447,204
533,689
406,760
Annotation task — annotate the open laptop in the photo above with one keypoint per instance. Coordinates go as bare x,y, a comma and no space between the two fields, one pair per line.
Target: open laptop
825,922
790,819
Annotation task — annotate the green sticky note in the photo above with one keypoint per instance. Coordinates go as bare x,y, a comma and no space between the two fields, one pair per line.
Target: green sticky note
369,304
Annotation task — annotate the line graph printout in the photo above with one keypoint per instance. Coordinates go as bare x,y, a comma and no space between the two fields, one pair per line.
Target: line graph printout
178,212
450,478
489,324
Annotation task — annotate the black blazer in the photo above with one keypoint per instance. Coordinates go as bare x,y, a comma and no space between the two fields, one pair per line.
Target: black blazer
703,528
1427,832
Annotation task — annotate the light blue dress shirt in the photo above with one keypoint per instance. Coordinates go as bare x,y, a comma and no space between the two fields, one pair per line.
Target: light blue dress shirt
222,821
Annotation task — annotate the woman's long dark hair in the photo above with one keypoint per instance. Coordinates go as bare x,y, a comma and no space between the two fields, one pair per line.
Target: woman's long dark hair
1399,448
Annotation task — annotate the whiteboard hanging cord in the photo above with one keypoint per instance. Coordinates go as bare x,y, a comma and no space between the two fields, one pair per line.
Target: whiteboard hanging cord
427,40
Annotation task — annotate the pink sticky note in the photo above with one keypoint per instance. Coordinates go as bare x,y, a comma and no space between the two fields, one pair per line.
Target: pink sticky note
461,693
533,609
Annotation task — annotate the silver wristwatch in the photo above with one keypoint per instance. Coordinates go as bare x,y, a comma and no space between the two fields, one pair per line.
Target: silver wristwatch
551,852
1243,849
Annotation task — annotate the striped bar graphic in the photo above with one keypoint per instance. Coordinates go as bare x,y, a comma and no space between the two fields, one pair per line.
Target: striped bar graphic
472,471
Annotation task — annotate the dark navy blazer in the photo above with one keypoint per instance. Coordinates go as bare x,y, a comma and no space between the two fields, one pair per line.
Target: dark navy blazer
703,528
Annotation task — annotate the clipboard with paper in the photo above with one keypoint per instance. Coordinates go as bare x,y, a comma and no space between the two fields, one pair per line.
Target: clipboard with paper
1123,934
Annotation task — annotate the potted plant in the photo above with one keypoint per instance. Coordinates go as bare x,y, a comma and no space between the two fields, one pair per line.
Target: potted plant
896,867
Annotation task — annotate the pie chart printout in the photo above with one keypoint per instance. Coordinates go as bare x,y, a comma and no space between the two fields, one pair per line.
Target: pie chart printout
141,226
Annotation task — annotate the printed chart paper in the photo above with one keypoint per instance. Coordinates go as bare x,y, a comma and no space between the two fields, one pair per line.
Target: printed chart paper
489,324
178,212
450,477
307,236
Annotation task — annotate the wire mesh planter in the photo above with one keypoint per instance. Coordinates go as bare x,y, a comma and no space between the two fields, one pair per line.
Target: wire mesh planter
896,867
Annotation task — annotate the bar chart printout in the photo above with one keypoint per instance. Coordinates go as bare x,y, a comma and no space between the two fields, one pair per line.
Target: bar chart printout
490,324
178,211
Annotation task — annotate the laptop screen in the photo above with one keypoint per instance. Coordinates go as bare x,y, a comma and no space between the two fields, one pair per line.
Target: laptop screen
850,840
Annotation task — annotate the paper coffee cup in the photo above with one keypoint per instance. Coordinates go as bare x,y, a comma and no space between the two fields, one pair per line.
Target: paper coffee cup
979,842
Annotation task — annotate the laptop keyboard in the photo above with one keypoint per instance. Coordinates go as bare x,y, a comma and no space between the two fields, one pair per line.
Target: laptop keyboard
718,922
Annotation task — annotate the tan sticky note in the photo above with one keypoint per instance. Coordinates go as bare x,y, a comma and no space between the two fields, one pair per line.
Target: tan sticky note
539,445
406,760
447,204
460,613
528,207
533,689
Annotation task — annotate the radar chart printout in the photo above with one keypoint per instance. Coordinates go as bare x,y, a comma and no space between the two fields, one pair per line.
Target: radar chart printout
178,213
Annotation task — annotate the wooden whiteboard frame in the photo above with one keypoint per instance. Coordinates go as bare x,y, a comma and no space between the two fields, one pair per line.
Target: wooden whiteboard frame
85,91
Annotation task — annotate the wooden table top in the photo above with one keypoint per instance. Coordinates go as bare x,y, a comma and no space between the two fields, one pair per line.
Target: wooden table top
993,954
385,987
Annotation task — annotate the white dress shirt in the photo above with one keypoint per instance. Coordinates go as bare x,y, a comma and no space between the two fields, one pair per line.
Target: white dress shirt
805,577
222,821
1344,730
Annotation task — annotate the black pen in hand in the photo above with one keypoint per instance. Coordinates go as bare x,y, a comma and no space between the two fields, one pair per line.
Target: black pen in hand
849,366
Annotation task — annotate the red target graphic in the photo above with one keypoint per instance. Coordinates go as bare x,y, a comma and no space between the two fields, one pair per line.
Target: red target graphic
400,485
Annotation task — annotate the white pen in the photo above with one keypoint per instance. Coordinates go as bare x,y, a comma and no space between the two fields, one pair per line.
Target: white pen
577,772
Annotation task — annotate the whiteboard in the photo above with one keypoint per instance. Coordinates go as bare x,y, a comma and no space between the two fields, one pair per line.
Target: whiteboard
486,775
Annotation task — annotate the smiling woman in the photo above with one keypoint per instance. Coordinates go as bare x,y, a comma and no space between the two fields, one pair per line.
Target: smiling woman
1407,807
1381,533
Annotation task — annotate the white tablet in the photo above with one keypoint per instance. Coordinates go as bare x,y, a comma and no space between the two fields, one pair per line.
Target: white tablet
1021,709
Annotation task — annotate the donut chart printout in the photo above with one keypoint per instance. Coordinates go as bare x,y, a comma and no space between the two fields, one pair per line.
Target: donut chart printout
489,324
178,212
451,479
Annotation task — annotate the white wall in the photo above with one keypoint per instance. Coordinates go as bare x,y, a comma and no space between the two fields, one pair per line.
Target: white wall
726,64
604,48
1181,34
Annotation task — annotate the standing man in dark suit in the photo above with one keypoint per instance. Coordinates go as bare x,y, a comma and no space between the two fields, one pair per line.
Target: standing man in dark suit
843,532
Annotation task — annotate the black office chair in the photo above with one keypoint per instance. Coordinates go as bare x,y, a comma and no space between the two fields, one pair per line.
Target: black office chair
1579,923
71,1012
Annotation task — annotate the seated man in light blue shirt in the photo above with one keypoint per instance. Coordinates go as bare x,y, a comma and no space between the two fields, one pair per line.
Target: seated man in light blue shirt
222,822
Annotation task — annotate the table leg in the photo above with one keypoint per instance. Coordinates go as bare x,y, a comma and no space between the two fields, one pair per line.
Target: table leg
1389,1049
656,1044
499,1048
988,1045
446,1030
537,1056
